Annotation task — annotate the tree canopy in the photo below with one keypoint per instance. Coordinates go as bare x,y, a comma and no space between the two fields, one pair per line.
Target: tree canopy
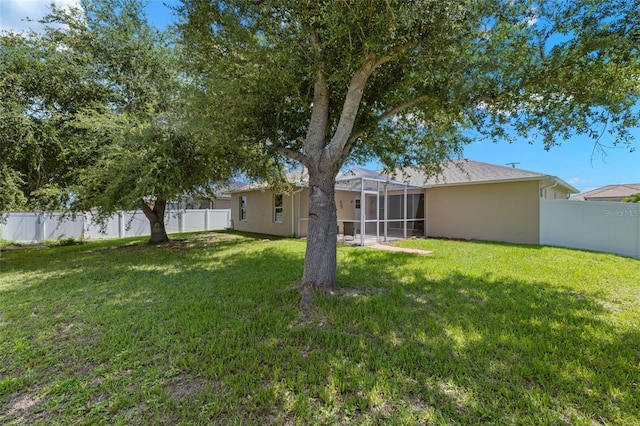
118,115
405,82
43,87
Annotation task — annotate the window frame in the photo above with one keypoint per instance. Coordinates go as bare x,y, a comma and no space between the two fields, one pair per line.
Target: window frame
278,207
243,208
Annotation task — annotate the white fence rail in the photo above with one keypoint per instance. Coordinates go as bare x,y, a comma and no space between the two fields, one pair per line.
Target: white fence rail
36,227
593,225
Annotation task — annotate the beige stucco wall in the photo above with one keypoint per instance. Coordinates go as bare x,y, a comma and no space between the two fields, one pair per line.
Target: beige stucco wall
345,205
507,212
260,214
551,191
222,203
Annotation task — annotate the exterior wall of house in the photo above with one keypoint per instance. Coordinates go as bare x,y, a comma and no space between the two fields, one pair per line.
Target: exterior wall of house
222,203
302,213
261,213
550,191
508,212
346,205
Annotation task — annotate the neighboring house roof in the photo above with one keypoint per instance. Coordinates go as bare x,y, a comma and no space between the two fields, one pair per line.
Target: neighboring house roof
458,172
609,193
298,177
224,192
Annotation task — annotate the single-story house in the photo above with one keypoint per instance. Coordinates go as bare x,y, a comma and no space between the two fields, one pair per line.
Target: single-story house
609,193
468,200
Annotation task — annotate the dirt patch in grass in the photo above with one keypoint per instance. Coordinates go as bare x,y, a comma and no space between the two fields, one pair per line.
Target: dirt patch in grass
389,247
360,291
21,408
11,247
182,386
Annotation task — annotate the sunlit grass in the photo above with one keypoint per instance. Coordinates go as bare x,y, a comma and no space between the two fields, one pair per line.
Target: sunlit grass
208,330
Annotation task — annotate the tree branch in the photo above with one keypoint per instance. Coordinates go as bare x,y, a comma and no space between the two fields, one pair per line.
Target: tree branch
390,113
350,108
384,116
399,108
146,209
315,42
393,53
320,110
293,154
343,138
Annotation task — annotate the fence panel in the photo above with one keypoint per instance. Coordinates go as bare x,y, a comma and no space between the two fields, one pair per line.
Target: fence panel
57,227
593,225
194,220
22,227
172,222
113,227
25,227
218,219
136,224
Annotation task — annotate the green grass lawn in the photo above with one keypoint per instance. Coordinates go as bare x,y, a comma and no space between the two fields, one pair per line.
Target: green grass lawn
208,330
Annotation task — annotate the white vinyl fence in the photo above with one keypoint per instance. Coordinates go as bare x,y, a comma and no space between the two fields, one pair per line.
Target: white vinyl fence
605,226
36,227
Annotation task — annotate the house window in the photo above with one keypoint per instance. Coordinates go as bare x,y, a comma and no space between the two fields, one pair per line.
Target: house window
243,207
277,208
357,203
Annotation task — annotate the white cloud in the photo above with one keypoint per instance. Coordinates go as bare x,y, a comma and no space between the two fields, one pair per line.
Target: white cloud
584,185
577,180
14,14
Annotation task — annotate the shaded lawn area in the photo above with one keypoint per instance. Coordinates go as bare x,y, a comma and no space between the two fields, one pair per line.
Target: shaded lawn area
208,330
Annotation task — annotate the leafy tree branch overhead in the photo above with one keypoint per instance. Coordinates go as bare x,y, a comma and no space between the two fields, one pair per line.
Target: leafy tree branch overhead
326,83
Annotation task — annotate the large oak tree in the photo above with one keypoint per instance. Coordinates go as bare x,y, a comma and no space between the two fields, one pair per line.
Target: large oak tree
42,87
101,98
406,81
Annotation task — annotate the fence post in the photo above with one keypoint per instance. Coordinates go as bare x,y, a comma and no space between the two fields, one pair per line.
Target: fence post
545,221
85,225
38,228
206,220
120,224
43,227
638,231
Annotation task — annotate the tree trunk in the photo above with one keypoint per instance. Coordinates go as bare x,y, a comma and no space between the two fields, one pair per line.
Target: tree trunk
320,258
155,215
323,162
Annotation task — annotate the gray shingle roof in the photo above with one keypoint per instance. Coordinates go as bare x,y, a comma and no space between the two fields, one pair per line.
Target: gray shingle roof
298,177
467,171
458,172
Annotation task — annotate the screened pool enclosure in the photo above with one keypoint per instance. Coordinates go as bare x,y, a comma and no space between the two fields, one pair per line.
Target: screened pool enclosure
373,208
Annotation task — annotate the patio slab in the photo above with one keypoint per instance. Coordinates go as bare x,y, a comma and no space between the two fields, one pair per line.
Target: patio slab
399,249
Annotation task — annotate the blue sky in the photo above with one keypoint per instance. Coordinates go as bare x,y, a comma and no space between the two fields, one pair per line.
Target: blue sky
573,161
